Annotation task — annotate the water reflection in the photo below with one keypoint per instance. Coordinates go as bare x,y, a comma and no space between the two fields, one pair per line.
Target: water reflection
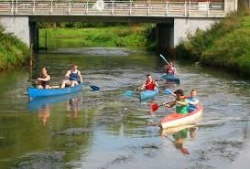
179,135
171,85
39,103
44,113
72,106
43,106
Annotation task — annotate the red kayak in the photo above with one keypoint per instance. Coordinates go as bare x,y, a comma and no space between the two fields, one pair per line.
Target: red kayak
175,119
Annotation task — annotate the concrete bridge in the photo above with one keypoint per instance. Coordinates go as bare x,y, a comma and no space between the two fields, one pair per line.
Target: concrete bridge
174,18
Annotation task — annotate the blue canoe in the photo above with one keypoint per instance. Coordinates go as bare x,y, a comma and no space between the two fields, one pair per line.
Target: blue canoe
38,93
172,78
148,94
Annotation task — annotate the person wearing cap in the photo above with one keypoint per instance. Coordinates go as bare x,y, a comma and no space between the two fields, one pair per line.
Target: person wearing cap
73,77
150,83
181,104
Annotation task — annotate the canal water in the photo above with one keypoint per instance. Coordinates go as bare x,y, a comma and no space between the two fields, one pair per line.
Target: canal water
106,130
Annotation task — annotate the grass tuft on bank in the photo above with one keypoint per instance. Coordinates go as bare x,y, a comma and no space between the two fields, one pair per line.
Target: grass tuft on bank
13,52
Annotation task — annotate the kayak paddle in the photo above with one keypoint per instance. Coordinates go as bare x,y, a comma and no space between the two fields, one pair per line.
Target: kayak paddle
129,93
93,87
167,62
164,58
155,106
168,91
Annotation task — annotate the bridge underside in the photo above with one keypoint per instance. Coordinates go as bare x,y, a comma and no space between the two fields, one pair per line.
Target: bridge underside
169,32
163,32
138,19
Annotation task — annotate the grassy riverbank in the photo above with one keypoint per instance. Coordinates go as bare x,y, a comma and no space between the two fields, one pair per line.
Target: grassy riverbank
225,45
13,52
133,37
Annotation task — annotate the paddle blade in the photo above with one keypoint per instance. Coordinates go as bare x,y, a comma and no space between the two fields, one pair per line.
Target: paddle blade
128,93
168,91
94,88
154,107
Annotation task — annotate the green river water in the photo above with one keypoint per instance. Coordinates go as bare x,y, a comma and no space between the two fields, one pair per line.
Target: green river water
105,130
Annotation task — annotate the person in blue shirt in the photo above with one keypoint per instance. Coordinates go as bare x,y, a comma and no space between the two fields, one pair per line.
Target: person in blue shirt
73,77
192,100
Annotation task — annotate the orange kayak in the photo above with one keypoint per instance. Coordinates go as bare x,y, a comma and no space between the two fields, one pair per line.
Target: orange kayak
175,119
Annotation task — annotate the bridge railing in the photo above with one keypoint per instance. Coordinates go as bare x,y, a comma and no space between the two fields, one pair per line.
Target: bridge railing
113,7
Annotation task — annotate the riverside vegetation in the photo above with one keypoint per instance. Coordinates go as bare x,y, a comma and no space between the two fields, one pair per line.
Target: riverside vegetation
13,52
128,36
226,44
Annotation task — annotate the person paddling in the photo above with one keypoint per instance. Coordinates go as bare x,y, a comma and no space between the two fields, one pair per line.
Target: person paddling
170,69
150,84
73,77
180,103
43,79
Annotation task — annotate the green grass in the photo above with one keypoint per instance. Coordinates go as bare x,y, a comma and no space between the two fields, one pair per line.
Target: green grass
133,37
13,52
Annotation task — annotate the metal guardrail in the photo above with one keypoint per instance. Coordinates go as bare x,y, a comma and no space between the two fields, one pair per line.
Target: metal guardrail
158,8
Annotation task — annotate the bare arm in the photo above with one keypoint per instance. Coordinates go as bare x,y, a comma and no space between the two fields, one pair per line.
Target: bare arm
156,84
170,104
80,75
183,103
47,78
67,74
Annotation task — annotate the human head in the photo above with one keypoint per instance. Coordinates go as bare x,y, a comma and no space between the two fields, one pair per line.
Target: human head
179,93
149,76
170,63
44,70
74,67
193,93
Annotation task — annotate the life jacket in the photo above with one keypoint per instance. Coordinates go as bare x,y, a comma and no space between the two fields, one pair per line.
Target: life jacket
150,85
74,76
170,70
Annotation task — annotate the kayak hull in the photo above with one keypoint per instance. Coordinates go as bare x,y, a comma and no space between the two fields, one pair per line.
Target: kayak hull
172,78
39,93
148,94
174,119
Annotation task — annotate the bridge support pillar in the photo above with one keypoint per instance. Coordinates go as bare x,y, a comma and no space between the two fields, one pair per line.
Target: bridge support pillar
184,26
164,37
19,26
34,36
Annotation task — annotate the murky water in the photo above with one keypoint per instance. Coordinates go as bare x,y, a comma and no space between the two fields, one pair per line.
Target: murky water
105,130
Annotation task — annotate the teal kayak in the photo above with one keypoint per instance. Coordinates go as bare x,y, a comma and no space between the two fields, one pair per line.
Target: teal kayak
148,94
173,78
